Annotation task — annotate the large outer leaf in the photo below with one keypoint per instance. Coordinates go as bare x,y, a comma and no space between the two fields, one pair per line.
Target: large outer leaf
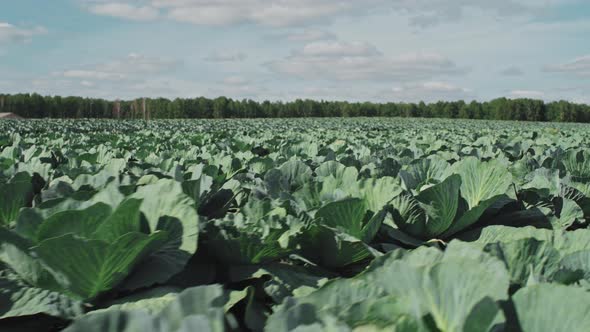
571,241
577,163
482,185
453,289
152,300
93,223
341,174
430,213
481,181
19,299
544,181
538,254
569,213
566,242
551,307
332,168
423,172
346,215
15,252
166,208
383,314
336,181
333,248
408,215
306,317
196,309
459,289
577,263
290,177
470,306
295,173
377,193
353,217
110,195
440,203
280,280
526,259
203,300
117,321
498,233
259,233
86,268
198,188
247,245
125,219
80,222
13,196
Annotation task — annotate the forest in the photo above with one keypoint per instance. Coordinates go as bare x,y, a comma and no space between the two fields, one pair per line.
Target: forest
38,106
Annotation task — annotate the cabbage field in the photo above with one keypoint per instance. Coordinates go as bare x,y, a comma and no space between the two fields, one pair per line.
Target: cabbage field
294,225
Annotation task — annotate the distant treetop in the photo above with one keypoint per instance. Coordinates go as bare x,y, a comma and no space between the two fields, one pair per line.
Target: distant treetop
37,106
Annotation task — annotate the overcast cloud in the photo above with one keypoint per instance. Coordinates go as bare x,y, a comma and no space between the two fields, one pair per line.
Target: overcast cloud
381,50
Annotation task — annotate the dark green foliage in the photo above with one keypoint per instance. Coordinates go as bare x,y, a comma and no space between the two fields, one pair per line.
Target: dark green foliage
36,106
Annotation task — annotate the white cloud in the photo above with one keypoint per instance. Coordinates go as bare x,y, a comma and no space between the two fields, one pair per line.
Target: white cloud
576,94
12,33
132,76
137,63
579,67
327,92
130,89
582,100
425,13
125,10
207,15
440,87
93,74
533,94
265,12
426,91
226,57
302,35
249,91
361,61
339,49
310,35
235,80
304,12
467,35
336,91
133,66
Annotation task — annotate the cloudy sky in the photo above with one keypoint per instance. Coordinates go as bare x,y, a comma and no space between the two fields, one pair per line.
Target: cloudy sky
359,50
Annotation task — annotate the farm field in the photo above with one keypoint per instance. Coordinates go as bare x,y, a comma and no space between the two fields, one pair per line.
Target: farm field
381,224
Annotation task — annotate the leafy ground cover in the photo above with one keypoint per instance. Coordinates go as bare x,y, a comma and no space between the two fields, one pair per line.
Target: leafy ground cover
294,225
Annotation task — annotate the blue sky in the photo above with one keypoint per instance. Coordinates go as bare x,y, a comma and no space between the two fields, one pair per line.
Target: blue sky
358,50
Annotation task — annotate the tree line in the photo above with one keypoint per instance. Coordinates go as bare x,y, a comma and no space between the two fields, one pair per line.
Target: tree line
37,106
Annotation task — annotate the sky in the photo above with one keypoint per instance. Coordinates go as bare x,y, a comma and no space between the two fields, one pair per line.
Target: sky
356,50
